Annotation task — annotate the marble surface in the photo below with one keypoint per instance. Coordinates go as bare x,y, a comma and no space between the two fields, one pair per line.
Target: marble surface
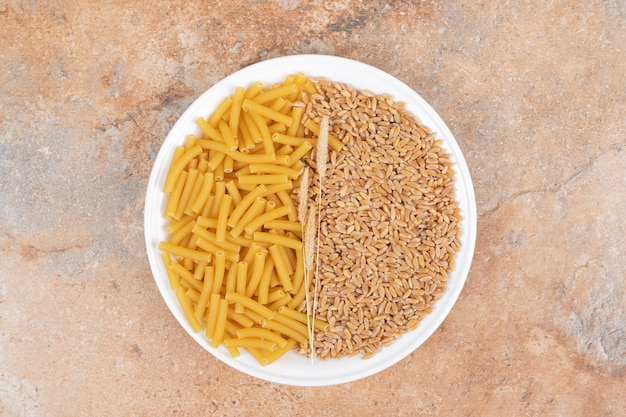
535,93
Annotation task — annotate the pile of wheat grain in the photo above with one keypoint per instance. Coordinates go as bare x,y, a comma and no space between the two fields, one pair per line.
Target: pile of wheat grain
389,221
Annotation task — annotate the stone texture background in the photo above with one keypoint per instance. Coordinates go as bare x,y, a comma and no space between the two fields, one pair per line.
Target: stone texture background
535,93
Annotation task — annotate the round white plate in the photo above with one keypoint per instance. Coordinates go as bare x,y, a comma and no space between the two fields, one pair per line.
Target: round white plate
294,369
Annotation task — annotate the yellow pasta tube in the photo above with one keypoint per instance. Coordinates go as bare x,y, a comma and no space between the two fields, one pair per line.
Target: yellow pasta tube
213,145
220,324
275,295
220,190
280,264
278,104
250,304
286,330
186,194
220,267
284,160
216,160
258,355
228,164
285,198
302,318
242,277
283,106
192,295
246,137
186,275
300,151
287,139
309,87
257,273
254,316
222,217
235,110
208,130
276,128
280,302
287,225
273,169
220,111
203,165
271,357
241,319
266,136
175,225
205,191
178,152
191,244
240,240
292,323
171,275
198,271
205,294
275,93
264,283
185,252
228,135
211,319
251,158
214,249
206,222
276,188
251,252
298,297
219,170
298,275
301,79
251,342
284,150
296,114
253,129
177,168
265,217
174,199
278,240
255,209
261,333
187,310
208,207
231,187
180,234
195,191
253,90
190,141
271,204
212,238
253,179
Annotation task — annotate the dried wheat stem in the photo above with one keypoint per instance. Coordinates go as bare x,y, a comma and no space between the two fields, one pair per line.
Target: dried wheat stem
309,261
303,202
321,161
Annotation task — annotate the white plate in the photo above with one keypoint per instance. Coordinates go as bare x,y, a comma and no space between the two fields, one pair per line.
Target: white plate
294,369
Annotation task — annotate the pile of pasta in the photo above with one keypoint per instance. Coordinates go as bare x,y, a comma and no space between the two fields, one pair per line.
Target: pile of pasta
234,252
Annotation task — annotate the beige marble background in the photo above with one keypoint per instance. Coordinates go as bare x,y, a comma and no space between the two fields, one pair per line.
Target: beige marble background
535,93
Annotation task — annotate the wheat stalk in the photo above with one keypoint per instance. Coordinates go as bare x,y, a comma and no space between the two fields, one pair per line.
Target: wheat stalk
309,262
309,241
321,161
